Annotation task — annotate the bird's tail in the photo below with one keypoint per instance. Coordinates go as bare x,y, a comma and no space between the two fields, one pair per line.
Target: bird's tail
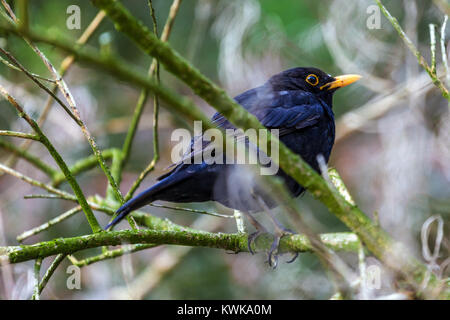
137,202
152,194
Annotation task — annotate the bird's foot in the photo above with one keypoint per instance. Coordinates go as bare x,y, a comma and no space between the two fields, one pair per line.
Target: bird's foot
252,237
260,229
273,252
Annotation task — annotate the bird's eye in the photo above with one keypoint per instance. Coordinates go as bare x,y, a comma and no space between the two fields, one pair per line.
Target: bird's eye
312,79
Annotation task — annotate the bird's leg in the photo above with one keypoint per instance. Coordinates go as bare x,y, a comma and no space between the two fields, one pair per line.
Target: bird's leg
280,232
259,230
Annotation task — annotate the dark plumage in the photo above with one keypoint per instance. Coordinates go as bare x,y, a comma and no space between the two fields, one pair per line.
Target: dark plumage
298,102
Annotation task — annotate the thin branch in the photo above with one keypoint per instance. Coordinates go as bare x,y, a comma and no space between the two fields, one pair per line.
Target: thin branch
48,224
100,204
59,194
433,47
37,270
81,165
97,203
444,51
58,159
436,81
111,254
10,65
35,161
44,196
153,71
117,157
214,214
141,177
64,89
64,67
22,8
36,183
358,119
48,274
40,85
19,135
9,11
124,71
362,272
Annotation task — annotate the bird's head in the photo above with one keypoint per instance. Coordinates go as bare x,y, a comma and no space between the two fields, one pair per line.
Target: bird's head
311,80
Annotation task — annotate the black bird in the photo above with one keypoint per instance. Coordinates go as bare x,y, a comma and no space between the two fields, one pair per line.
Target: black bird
298,102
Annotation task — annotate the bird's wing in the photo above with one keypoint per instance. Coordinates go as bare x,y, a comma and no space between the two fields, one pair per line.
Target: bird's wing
286,111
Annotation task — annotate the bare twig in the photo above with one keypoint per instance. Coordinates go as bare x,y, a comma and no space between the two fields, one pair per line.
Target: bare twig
43,196
33,78
35,161
10,65
65,65
59,258
444,51
37,270
36,183
111,254
153,71
192,210
57,157
19,135
432,73
61,84
48,224
433,47
361,118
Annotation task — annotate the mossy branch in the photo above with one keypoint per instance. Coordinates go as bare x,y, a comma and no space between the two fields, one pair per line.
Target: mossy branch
232,242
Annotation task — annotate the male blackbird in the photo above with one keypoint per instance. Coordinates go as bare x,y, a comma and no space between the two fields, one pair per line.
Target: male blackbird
298,102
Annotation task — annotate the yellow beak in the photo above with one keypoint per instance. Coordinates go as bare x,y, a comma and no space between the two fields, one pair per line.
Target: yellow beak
341,81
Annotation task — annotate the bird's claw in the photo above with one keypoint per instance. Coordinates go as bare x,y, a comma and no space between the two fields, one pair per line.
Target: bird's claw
273,252
251,239
293,258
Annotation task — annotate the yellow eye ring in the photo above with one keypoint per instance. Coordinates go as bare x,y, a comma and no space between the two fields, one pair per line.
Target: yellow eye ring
312,79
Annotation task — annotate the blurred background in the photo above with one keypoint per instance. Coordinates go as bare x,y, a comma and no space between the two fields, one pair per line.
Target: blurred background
392,147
